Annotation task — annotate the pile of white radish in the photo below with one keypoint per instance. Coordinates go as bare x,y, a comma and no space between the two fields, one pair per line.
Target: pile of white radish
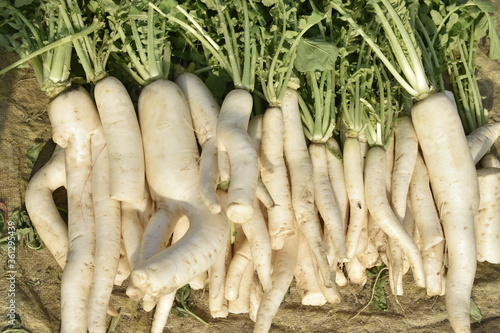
178,189
161,264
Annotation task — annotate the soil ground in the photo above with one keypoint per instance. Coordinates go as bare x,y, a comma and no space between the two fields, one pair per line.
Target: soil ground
24,120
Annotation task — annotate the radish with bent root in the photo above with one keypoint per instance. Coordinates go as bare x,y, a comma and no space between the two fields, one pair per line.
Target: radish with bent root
74,120
204,114
244,169
172,173
42,210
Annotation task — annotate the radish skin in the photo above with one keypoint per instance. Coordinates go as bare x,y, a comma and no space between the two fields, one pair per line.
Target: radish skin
284,264
487,220
162,312
434,269
123,271
275,177
74,119
455,187
356,272
123,137
325,200
302,184
482,139
337,179
380,210
353,171
108,236
173,177
260,244
232,135
242,303
204,114
423,207
42,210
405,155
306,283
236,270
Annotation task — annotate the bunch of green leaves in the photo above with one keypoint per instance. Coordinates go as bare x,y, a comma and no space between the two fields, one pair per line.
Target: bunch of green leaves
355,86
281,47
139,37
395,22
183,305
92,50
316,62
453,31
38,33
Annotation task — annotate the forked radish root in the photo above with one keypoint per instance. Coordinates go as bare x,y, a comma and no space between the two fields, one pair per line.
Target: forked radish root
173,177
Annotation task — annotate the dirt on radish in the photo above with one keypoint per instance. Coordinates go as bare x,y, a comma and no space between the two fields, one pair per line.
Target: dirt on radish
35,291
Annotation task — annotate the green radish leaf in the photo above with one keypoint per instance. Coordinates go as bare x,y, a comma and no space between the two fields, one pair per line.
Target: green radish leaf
486,6
381,276
20,3
216,85
182,305
315,54
269,3
475,313
494,51
167,6
33,153
436,17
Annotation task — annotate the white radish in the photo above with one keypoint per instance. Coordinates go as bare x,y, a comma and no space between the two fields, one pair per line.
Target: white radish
356,271
173,176
482,139
236,270
123,271
132,226
258,236
123,137
204,114
324,199
305,276
455,187
423,207
405,155
302,184
275,177
337,179
487,220
162,312
74,119
244,169
242,303
353,171
380,210
217,303
284,264
165,302
42,209
108,236
434,269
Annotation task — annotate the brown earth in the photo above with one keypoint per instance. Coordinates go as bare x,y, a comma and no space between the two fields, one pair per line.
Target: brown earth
24,120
